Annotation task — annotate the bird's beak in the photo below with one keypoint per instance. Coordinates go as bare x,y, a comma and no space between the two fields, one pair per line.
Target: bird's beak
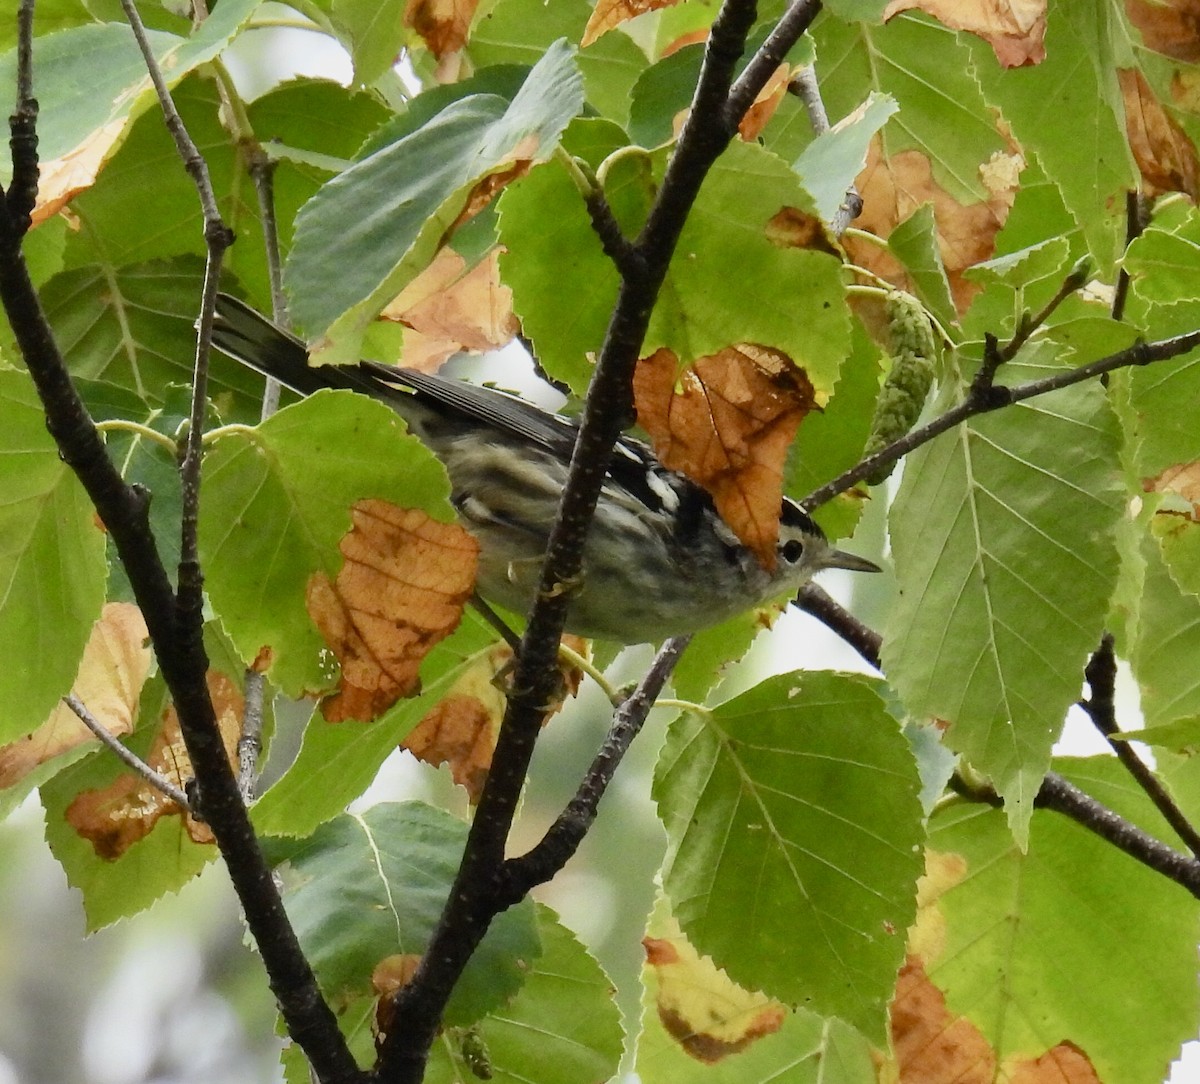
849,561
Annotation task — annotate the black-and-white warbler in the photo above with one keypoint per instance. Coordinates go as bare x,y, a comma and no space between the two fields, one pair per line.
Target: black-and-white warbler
659,561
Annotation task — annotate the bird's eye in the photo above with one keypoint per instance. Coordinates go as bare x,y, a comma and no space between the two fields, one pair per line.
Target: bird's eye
792,550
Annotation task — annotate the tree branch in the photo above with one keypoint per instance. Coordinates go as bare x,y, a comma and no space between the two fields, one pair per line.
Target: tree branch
1101,676
988,397
1055,793
476,893
181,657
563,837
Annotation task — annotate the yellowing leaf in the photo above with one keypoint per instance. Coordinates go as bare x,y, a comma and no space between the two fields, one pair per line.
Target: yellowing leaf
1182,480
111,674
705,1011
1015,29
931,1044
727,423
401,591
115,817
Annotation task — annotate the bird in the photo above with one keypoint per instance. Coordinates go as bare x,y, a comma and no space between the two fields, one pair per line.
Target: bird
658,560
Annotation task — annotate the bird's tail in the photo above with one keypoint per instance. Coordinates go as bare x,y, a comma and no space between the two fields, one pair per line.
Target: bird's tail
252,339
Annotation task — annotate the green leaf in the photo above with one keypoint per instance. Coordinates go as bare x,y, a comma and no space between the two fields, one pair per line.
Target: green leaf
563,285
373,32
786,298
831,162
1165,266
1181,736
1067,110
1005,554
382,220
795,832
914,242
133,327
366,887
663,91
921,65
1055,944
162,861
91,79
520,31
275,503
52,568
831,441
562,1028
789,299
1162,655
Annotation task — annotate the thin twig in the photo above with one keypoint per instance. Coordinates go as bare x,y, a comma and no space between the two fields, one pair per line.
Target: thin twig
126,755
262,175
1137,218
1075,279
1101,676
249,746
804,86
563,837
218,237
999,396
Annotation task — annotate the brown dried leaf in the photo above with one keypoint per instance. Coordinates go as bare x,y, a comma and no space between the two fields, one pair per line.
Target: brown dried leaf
692,37
62,179
401,590
791,227
447,309
701,1007
388,976
1171,27
1015,29
393,972
762,109
1182,480
487,188
441,24
1062,1064
112,671
728,429
1165,156
461,729
893,188
608,14
115,817
928,1042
